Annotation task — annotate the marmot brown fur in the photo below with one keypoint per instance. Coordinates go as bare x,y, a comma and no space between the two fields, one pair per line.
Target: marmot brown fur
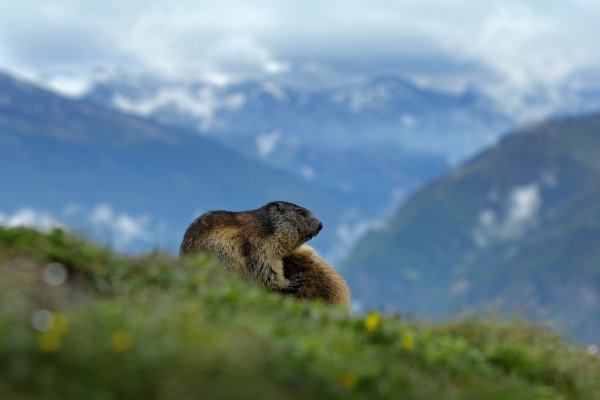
257,244
322,280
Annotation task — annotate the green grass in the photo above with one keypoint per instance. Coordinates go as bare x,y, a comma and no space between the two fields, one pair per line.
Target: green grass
156,327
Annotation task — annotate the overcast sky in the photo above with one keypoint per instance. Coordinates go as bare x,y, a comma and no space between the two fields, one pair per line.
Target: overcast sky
509,48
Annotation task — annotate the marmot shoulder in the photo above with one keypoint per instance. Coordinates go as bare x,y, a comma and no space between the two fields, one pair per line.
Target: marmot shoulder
322,281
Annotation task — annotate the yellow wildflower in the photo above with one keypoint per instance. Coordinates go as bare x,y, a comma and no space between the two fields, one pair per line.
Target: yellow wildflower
121,341
348,381
49,342
372,322
59,323
408,342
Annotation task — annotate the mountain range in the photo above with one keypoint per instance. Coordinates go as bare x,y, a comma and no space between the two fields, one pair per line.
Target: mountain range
382,110
376,139
516,229
366,146
134,183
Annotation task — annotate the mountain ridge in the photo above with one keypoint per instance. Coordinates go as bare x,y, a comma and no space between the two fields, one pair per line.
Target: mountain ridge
506,230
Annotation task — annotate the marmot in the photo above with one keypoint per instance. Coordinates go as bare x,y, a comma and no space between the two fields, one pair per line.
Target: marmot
258,243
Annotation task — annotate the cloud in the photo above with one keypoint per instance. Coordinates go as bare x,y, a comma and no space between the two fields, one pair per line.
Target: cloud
274,90
202,103
522,207
30,218
308,172
364,98
526,52
266,142
124,227
241,55
350,231
70,85
513,50
524,203
408,120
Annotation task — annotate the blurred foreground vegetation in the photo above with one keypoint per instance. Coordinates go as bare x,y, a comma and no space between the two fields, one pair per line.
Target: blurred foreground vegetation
78,321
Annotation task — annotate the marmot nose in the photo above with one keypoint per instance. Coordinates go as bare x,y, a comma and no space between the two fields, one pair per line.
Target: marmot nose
319,227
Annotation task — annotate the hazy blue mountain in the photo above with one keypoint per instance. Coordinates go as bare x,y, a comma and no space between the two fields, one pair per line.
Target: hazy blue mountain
516,229
376,140
76,162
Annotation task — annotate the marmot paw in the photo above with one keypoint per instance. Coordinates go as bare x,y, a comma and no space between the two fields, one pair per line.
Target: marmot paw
295,284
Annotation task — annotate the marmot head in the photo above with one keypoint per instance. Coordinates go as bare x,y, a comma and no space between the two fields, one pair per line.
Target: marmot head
293,225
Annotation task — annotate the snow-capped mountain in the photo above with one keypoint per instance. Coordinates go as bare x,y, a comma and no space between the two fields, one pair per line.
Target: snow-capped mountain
383,110
376,140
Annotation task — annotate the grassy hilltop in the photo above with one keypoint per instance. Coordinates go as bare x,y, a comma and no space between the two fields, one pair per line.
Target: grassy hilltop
155,327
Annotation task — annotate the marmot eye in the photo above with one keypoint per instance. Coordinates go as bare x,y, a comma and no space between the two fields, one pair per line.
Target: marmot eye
303,213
